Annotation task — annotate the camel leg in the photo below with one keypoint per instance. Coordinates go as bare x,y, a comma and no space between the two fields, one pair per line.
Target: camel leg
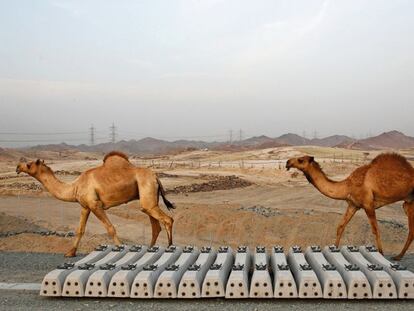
79,233
101,215
350,212
159,215
374,225
409,210
156,228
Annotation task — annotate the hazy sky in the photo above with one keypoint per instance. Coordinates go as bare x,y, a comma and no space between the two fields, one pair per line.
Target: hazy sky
188,68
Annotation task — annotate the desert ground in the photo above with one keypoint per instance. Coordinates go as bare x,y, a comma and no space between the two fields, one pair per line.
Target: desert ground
230,198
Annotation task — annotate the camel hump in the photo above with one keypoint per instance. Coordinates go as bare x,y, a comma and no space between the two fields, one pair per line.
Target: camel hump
391,158
115,154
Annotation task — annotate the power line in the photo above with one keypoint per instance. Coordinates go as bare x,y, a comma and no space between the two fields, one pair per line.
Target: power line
40,133
113,133
92,135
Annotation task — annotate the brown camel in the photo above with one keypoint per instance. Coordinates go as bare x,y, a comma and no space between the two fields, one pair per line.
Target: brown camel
115,182
387,179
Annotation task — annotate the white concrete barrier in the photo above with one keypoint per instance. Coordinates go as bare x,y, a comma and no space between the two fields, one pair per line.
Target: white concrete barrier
75,282
332,283
357,284
98,282
168,281
261,283
284,284
238,282
403,278
382,285
192,280
306,280
144,282
121,282
52,283
214,284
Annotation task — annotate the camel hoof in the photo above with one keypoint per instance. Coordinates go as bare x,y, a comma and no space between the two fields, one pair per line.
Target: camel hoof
71,253
396,258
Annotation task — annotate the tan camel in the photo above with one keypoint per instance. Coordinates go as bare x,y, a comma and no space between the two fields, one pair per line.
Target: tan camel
387,179
115,182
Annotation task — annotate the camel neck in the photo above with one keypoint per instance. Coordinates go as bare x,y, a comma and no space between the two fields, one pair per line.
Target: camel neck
332,189
57,188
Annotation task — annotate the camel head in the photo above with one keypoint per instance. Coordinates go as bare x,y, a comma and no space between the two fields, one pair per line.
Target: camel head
32,168
301,163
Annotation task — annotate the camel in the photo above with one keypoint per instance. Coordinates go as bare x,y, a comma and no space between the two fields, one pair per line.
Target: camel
115,182
387,179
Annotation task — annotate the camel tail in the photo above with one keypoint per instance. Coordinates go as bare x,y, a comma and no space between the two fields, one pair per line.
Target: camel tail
164,198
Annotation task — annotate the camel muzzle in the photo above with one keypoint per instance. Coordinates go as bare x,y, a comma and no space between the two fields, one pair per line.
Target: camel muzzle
18,170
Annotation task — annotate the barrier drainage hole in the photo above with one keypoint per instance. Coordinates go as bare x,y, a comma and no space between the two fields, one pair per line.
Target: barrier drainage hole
113,293
231,294
208,283
168,285
257,284
91,283
405,295
381,285
366,295
389,284
160,284
77,292
45,292
289,284
194,294
123,293
241,294
46,283
339,285
90,292
169,294
54,292
316,294
305,294
355,294
135,294
329,294
185,284
290,294
314,284
53,283
379,295
340,294
266,294
255,294
207,293
281,284
280,293
146,294
240,284
159,293
100,293
182,294
306,284
365,285
137,285
264,284
99,284
69,284
122,284
232,284
390,294
355,285
145,284
114,284
217,292
406,284
216,283
67,292
192,284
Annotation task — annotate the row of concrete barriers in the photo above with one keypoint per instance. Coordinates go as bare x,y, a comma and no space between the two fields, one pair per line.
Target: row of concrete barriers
155,272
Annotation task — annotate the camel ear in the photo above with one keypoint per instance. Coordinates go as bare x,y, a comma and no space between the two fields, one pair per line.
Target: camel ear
28,165
311,159
37,162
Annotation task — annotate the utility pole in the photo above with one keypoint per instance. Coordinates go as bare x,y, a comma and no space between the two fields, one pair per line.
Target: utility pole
113,133
230,136
92,135
315,134
240,135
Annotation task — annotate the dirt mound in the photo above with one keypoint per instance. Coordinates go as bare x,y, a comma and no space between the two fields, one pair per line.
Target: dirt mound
36,187
218,183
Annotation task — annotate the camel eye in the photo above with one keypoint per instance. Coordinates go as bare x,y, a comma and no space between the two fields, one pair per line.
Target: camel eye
300,161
